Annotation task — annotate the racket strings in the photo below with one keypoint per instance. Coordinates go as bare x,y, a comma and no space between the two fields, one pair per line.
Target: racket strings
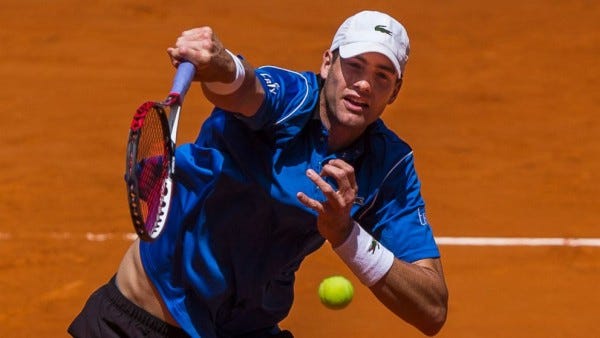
152,165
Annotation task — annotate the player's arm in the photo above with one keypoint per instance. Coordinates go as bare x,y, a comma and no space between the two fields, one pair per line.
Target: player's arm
416,292
227,81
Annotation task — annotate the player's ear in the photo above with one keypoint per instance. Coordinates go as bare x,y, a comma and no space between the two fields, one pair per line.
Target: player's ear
326,63
397,87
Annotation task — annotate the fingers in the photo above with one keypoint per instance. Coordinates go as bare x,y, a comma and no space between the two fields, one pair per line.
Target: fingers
198,46
334,213
347,188
194,33
198,39
325,187
310,203
344,175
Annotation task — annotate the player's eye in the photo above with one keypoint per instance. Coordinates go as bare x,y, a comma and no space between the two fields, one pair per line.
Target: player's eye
383,76
354,65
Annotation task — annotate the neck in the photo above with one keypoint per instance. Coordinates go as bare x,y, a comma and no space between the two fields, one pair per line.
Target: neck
340,136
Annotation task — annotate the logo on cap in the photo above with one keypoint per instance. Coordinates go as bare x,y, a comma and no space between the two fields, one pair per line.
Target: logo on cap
382,29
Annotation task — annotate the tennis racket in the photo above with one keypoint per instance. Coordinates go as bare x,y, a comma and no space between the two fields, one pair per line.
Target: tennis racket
150,161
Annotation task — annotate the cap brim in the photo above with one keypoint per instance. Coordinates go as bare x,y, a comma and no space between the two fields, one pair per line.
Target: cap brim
355,48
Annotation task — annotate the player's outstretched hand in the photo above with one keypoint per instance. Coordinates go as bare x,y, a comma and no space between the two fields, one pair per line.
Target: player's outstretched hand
334,221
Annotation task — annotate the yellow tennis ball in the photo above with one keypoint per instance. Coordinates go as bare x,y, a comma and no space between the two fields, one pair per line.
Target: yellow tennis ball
336,292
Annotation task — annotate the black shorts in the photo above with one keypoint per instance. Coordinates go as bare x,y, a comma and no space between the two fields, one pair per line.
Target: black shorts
108,313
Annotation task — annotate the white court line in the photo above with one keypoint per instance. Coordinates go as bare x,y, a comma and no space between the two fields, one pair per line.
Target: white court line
450,241
517,241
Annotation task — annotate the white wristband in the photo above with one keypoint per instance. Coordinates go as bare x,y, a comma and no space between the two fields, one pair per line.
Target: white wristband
366,257
222,88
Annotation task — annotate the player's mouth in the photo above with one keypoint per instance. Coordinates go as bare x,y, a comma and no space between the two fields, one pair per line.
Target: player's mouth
355,104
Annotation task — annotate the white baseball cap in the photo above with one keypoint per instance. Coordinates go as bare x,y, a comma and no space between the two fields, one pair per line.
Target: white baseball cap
371,31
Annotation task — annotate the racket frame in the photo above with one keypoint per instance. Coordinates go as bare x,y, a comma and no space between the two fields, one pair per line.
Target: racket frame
169,125
149,232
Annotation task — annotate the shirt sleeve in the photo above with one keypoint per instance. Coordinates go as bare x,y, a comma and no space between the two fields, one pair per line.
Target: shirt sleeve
399,221
290,97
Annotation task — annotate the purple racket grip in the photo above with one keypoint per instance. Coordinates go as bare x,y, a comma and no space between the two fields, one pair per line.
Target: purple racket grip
183,79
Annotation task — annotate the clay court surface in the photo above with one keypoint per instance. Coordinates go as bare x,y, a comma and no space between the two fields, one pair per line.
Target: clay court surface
500,101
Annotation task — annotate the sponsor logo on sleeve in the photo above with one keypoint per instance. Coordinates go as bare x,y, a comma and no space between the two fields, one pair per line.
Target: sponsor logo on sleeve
271,84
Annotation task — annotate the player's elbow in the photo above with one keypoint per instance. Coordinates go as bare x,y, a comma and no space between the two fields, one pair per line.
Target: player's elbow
436,322
435,319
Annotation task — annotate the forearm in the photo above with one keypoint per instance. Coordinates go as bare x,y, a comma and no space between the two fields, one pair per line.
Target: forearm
416,293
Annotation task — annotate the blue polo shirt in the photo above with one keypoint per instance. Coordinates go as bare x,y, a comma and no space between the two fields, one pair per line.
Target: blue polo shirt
236,233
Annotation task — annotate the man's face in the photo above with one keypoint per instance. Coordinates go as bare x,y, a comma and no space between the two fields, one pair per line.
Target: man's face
357,89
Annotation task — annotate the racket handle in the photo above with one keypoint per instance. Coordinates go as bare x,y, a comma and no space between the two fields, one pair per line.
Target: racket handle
183,78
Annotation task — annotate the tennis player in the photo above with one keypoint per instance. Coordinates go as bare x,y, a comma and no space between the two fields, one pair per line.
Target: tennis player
286,161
